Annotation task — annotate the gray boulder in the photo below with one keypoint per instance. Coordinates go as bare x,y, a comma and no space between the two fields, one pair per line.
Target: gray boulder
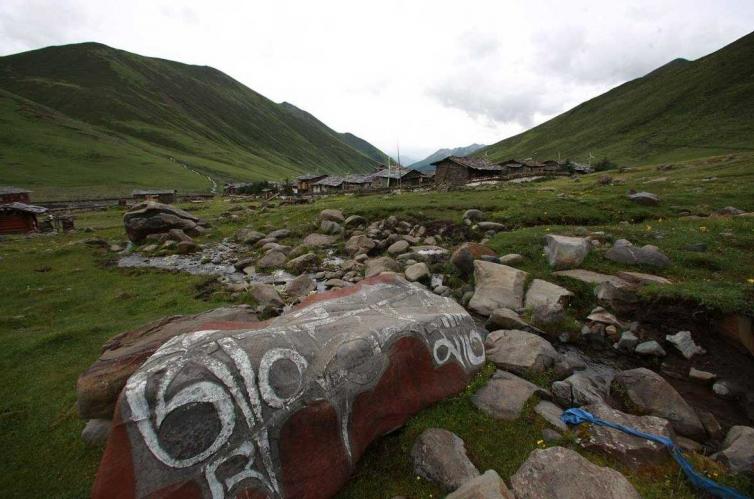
496,286
551,413
511,259
473,215
623,251
560,473
565,252
272,260
544,293
319,240
738,450
684,342
584,387
359,244
331,228
302,263
494,226
520,352
646,392
488,485
248,236
332,215
645,198
440,456
650,349
505,318
398,247
279,234
504,396
300,286
418,272
381,264
155,218
266,296
354,221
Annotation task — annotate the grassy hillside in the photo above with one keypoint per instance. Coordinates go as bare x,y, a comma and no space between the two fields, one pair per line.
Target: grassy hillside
86,117
682,110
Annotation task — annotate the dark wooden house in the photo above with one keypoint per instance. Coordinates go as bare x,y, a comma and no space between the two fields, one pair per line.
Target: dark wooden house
459,170
532,167
357,182
304,182
328,185
10,194
163,196
19,218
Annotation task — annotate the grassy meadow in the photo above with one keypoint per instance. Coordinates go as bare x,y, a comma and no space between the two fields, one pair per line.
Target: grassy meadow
62,299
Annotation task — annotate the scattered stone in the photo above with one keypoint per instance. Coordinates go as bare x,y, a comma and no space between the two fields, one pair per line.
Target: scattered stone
319,240
473,215
186,247
684,342
546,293
726,390
300,286
646,392
557,472
696,247
602,316
151,218
505,318
463,257
627,342
504,396
398,247
549,435
99,386
266,296
730,211
589,386
547,314
738,450
623,251
302,263
381,264
520,352
372,353
491,226
178,235
279,234
634,452
355,221
551,413
703,376
645,198
488,485
331,215
711,425
496,286
564,252
511,259
586,276
337,283
650,348
96,431
359,244
272,260
418,272
429,254
440,456
330,227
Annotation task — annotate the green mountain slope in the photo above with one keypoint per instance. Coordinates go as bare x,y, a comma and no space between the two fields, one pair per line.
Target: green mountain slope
95,117
682,110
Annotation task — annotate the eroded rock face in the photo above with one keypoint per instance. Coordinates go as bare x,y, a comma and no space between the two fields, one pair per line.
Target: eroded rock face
286,408
98,387
557,473
155,218
632,451
648,393
496,286
440,456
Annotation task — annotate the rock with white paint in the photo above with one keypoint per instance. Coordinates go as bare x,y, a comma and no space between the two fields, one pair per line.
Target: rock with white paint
488,485
557,473
565,252
520,352
288,406
440,456
496,286
684,342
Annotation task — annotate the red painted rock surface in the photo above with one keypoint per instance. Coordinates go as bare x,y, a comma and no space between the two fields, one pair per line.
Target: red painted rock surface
288,408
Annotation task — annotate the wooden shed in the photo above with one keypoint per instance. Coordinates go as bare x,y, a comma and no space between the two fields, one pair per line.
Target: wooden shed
459,170
10,194
328,184
304,182
19,218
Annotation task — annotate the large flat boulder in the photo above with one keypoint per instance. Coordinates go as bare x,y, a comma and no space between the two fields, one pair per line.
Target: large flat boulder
738,450
496,286
646,392
156,218
560,473
541,292
504,396
520,352
440,456
634,452
286,408
565,252
97,389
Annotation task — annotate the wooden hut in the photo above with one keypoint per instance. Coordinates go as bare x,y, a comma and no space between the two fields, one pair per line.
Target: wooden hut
10,194
328,185
459,170
19,218
304,182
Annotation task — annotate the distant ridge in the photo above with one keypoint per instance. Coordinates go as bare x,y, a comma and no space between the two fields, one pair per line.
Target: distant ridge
86,117
425,164
681,110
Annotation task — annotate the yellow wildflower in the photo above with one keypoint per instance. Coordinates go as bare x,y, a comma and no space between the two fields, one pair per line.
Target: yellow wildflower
702,229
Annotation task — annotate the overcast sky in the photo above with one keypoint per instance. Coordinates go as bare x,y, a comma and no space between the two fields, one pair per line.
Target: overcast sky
430,74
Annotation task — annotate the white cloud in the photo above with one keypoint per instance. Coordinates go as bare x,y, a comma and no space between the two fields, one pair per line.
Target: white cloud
428,73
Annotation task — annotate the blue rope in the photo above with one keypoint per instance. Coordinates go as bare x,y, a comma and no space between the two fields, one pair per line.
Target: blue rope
577,416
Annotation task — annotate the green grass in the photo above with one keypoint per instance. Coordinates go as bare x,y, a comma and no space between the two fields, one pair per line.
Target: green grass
63,299
87,118
683,110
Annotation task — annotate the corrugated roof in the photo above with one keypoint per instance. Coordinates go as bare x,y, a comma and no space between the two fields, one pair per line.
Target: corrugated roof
471,162
9,189
29,208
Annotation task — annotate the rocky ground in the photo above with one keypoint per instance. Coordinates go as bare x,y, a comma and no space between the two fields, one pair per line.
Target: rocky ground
573,316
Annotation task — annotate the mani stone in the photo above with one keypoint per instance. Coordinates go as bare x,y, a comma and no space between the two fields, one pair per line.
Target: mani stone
634,452
504,396
155,218
558,473
440,456
646,392
546,293
520,352
99,386
488,485
496,286
288,406
564,252
738,450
